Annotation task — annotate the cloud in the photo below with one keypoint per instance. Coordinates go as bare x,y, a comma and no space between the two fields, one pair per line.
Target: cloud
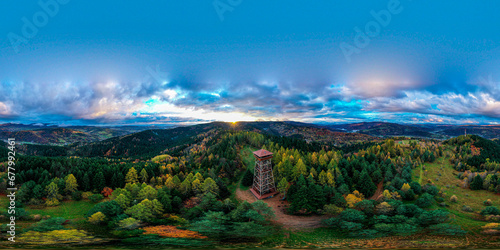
185,102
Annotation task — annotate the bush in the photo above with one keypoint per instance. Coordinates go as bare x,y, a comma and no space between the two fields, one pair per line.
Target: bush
487,202
108,208
428,218
453,198
424,201
332,210
96,198
97,218
490,211
77,195
52,202
48,225
468,209
431,189
352,215
129,224
86,195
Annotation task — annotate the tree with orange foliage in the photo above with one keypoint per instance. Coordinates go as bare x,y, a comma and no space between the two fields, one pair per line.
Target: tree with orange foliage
107,191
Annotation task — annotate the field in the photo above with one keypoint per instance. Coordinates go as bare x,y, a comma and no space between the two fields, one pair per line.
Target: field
68,209
442,174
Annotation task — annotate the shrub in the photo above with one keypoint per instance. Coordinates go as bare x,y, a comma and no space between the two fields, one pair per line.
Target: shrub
97,218
490,211
488,202
466,208
77,195
424,201
86,195
52,202
332,210
129,224
453,198
433,217
352,215
48,225
96,198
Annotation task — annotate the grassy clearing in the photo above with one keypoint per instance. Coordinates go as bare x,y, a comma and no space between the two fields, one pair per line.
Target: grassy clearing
442,174
68,209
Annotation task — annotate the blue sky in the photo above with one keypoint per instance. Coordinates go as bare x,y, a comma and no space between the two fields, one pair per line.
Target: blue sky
190,61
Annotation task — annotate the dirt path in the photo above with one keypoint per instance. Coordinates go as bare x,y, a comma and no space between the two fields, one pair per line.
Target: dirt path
380,190
288,221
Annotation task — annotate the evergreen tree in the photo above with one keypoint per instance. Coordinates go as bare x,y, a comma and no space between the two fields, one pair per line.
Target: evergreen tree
247,178
365,184
283,187
86,182
477,183
99,181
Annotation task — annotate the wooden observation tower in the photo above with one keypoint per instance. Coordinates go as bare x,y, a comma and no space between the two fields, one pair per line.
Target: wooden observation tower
263,180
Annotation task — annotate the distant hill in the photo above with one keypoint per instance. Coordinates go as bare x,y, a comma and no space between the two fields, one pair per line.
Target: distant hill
149,142
59,136
486,131
54,135
383,129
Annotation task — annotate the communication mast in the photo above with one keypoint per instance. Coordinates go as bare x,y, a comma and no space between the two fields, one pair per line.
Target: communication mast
263,180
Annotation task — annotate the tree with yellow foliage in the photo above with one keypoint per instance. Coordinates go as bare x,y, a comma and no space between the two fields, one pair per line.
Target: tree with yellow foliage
131,176
97,218
354,198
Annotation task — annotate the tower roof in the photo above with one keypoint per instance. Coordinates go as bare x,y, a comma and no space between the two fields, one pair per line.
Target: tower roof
262,153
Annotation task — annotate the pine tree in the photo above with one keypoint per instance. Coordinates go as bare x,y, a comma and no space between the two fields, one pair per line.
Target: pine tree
365,184
86,182
247,178
99,181
300,169
131,176
323,179
144,176
283,187
477,183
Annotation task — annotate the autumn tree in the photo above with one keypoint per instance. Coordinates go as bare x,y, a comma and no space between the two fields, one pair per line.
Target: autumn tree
144,175
52,191
131,176
106,191
210,186
71,184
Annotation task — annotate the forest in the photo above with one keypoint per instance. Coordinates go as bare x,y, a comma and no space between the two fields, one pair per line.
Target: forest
177,187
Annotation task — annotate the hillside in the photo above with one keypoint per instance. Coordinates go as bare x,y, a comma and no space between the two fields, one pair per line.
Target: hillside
384,129
60,136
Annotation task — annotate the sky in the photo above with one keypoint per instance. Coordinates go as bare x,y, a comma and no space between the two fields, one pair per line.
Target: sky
72,62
